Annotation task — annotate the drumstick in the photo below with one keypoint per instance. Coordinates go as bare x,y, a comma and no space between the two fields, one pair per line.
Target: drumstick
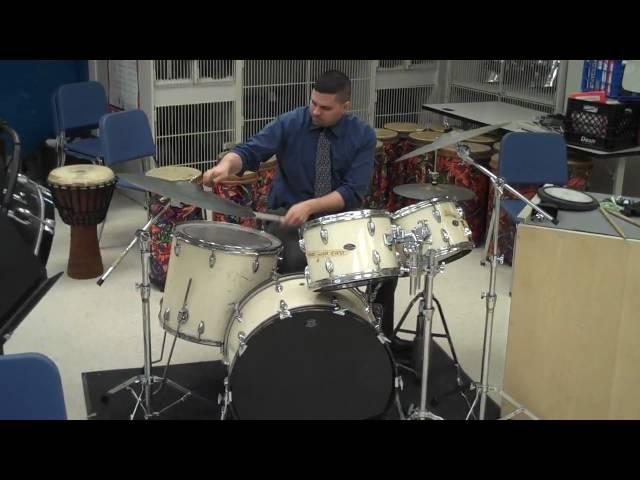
269,217
610,220
625,218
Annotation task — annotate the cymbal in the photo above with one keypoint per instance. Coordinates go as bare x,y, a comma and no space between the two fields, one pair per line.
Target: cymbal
428,191
188,193
451,138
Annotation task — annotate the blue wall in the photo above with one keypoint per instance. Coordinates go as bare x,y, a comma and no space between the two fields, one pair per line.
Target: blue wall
25,93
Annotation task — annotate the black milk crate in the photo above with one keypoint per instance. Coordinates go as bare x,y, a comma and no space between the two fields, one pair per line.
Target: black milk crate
602,126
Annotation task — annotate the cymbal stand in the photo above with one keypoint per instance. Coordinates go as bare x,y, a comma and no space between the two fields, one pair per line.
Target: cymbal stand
146,380
499,185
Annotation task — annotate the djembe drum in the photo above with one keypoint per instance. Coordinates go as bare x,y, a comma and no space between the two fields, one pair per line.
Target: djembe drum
82,194
176,213
455,171
407,170
240,190
378,196
579,173
266,172
389,140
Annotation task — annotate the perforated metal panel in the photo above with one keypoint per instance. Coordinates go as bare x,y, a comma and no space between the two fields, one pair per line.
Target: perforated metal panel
192,71
273,87
192,135
530,83
403,105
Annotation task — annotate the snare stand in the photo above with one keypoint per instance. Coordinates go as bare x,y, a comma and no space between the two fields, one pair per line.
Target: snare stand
146,380
425,317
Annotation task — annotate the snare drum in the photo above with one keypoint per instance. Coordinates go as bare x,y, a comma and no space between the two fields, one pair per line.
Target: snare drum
450,237
212,265
456,172
82,194
163,228
296,354
239,190
348,249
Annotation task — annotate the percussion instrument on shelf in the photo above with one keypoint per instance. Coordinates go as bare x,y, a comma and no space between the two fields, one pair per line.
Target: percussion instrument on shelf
212,266
450,235
348,249
162,229
295,354
82,194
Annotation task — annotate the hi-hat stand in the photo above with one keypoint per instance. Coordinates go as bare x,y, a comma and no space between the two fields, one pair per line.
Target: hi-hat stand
499,185
146,380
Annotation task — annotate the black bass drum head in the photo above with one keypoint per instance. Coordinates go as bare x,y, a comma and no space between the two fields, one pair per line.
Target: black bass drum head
315,365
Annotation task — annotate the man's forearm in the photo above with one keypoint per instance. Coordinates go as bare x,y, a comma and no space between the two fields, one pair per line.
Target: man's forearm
233,161
332,202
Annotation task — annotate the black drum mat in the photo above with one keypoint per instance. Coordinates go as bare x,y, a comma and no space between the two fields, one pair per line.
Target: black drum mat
205,379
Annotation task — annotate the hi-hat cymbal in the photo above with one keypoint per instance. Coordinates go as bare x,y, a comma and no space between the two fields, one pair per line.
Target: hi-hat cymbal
188,193
428,191
451,138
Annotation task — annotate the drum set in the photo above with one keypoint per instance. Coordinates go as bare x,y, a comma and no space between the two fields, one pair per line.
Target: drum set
306,345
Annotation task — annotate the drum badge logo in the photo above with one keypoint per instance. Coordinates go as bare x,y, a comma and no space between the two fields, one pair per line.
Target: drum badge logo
311,323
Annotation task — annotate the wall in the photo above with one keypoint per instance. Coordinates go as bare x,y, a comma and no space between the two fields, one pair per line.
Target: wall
25,92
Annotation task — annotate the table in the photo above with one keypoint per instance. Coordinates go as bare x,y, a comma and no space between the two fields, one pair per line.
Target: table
522,119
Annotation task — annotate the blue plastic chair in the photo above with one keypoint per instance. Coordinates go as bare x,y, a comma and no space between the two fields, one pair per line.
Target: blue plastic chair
126,136
30,388
77,109
529,158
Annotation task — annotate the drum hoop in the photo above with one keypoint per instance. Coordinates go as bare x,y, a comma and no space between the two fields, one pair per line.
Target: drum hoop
408,210
347,280
344,216
96,186
196,242
450,251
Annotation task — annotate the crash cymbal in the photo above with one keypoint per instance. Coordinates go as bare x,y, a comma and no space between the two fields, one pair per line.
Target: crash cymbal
451,138
428,191
188,193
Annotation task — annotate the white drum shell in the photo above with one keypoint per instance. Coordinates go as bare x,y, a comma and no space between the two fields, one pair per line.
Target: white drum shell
267,300
351,240
444,219
214,290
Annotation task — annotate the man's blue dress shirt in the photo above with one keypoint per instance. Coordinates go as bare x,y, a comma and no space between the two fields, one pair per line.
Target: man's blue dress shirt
293,138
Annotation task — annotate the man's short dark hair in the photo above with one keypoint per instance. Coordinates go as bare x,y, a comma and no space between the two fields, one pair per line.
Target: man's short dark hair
336,82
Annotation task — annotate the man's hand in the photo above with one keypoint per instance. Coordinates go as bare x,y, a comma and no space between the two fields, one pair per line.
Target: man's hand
230,164
216,174
299,213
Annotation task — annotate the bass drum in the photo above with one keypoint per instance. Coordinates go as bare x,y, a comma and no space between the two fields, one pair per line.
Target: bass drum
33,210
297,354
